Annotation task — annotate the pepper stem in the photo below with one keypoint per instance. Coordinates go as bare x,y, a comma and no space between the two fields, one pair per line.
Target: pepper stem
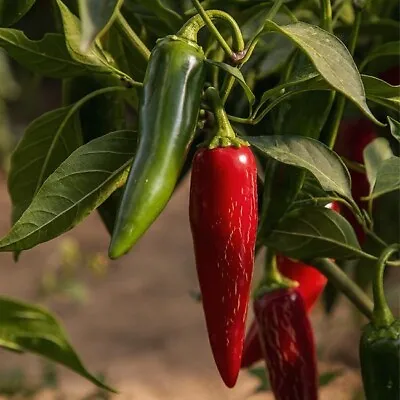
272,274
191,28
382,316
224,126
225,135
272,278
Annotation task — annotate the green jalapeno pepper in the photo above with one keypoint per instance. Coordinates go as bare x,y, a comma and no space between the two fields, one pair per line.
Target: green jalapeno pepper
168,112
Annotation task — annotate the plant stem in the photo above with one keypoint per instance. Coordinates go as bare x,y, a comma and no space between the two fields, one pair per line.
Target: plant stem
376,238
212,28
224,126
382,316
272,278
131,37
319,200
274,9
248,121
341,100
351,290
253,42
230,80
326,11
192,27
271,271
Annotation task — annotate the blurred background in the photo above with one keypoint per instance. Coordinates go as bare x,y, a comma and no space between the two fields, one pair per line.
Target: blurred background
136,321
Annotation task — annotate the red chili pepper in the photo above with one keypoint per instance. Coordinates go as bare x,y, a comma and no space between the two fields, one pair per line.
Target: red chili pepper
288,344
311,284
223,218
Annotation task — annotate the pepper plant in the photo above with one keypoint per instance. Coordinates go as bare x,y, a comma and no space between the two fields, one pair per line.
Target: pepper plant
289,113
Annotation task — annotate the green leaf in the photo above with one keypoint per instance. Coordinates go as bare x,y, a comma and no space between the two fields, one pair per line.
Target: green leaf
385,49
303,79
235,72
270,60
29,328
281,186
331,59
293,117
99,116
374,154
48,56
93,59
311,232
96,17
164,13
12,11
305,87
311,189
79,185
310,154
382,92
386,216
253,21
306,121
394,128
127,60
47,142
387,178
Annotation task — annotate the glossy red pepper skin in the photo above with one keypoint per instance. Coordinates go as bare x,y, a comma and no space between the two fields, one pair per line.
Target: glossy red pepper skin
311,281
288,344
223,219
311,284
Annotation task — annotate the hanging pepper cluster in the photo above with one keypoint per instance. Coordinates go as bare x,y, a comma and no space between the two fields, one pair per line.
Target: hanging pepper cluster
289,124
223,213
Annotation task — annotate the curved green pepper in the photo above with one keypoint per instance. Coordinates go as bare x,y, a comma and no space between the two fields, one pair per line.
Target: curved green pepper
380,342
380,361
168,112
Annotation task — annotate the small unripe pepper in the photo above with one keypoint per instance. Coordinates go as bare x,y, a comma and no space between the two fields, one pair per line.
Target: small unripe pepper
380,343
223,219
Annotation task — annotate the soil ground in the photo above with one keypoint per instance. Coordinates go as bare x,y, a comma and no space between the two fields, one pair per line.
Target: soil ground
141,328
